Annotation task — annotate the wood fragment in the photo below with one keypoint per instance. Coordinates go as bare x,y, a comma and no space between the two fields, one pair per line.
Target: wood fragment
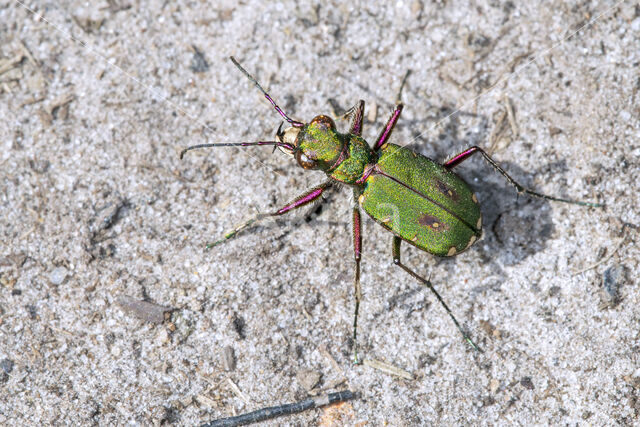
511,116
388,368
143,310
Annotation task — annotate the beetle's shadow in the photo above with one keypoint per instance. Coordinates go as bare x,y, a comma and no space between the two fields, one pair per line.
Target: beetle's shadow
514,227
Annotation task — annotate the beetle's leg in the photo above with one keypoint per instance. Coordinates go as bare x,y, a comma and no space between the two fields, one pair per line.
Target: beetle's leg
305,198
404,82
386,132
357,252
459,158
425,282
357,116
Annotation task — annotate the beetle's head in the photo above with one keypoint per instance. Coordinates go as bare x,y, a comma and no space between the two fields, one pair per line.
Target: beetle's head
317,145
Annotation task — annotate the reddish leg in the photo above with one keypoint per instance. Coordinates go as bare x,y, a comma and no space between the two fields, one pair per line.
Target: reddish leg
461,157
305,198
357,111
396,260
357,252
386,132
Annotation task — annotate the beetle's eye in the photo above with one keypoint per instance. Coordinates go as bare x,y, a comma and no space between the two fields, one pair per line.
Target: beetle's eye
305,161
324,121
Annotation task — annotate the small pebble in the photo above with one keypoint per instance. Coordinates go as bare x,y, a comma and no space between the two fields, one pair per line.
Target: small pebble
162,337
57,276
6,365
612,280
228,358
308,378
527,383
372,112
493,385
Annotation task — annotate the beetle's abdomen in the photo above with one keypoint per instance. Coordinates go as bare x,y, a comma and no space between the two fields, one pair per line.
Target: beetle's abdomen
422,202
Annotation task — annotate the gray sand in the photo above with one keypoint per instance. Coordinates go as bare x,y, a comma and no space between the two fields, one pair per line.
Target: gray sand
112,313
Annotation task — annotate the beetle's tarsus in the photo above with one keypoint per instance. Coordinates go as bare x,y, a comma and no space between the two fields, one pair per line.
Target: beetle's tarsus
396,260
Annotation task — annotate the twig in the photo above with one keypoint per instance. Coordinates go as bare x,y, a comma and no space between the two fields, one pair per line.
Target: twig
497,130
278,411
237,391
605,259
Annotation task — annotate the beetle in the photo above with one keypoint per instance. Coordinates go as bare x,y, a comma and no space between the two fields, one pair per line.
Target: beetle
420,201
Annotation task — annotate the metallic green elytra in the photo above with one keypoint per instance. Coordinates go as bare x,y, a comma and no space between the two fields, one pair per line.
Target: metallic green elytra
420,201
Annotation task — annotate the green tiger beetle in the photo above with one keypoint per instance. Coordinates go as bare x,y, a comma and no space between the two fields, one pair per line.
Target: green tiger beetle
422,202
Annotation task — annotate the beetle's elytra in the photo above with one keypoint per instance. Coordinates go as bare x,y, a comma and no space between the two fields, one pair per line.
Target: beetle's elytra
419,200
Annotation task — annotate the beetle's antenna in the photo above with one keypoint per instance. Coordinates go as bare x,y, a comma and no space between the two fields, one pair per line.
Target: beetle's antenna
238,144
266,95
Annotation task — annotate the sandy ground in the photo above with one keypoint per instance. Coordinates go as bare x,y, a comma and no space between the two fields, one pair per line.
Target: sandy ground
112,313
